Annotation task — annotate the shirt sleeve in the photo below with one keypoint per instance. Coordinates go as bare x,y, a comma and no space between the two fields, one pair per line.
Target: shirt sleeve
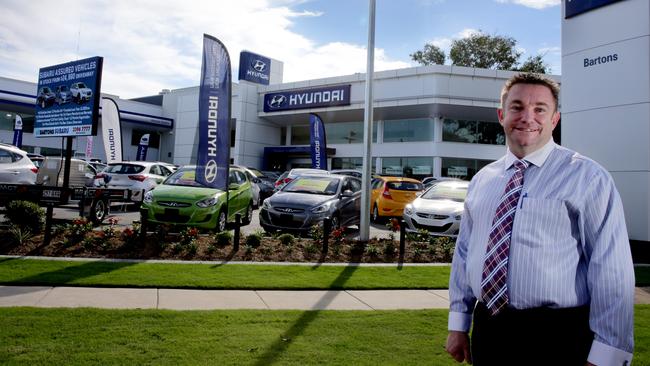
610,272
461,297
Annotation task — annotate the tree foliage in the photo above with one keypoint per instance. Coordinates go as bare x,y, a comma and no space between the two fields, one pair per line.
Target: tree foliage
485,51
430,55
482,51
534,64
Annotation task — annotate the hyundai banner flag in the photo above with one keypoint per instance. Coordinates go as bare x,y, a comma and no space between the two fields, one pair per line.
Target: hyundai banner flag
111,131
254,68
89,147
318,142
18,132
142,148
214,115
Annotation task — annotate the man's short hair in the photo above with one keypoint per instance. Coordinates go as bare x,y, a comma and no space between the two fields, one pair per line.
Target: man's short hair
530,78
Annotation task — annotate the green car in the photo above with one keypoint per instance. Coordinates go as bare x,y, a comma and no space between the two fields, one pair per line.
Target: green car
181,200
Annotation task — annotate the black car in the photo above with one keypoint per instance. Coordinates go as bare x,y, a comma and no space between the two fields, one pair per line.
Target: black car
307,200
45,97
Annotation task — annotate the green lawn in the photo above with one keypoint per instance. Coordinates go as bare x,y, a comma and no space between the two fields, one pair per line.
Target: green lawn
92,336
230,276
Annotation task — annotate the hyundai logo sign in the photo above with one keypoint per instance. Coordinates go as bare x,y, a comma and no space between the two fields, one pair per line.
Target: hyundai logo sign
307,98
211,171
259,65
254,68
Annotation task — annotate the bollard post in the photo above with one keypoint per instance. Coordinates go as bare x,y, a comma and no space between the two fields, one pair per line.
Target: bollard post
327,227
82,204
235,244
48,224
402,237
144,222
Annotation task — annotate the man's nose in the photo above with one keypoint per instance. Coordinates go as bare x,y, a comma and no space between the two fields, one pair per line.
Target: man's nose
528,115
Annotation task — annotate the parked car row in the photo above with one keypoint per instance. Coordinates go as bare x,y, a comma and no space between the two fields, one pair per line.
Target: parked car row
62,94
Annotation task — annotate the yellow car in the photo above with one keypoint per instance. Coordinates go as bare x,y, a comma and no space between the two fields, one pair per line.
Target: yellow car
390,195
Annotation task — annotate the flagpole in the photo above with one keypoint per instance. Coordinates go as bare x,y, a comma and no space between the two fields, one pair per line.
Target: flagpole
364,227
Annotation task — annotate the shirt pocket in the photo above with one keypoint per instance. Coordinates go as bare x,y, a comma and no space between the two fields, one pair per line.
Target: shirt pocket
541,223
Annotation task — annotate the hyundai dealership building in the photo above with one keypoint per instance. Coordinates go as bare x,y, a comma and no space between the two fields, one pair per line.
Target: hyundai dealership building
428,121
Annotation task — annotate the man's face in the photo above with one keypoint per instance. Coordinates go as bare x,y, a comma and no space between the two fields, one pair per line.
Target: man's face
528,118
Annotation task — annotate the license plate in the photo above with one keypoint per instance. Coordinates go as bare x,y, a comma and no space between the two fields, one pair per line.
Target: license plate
48,193
171,212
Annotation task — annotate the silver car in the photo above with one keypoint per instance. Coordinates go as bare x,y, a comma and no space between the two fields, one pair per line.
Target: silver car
15,166
439,209
138,176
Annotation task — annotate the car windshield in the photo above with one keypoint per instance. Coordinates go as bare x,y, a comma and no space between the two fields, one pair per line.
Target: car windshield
63,88
313,185
81,85
124,169
405,186
455,191
255,172
183,177
47,90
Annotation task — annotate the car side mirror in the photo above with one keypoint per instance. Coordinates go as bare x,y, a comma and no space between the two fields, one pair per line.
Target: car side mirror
347,193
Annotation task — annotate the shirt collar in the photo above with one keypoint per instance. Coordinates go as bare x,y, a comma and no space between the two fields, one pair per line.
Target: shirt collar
537,157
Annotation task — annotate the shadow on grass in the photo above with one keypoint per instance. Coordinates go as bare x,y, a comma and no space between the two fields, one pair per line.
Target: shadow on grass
226,260
279,346
67,275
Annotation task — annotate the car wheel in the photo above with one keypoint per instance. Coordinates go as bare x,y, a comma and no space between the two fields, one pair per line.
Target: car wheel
248,215
98,211
221,222
375,214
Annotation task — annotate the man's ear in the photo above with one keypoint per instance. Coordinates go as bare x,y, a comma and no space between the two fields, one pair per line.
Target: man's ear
556,118
501,114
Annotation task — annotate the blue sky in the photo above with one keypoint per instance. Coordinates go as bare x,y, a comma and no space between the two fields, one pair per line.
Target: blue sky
152,45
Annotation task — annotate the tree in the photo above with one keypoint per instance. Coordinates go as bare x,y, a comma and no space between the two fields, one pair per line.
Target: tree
534,64
431,55
485,51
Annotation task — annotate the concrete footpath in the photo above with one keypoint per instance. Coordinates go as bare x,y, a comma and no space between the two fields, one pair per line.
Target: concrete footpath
179,299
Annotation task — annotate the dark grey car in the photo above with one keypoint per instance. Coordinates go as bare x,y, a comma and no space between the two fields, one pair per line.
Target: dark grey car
309,199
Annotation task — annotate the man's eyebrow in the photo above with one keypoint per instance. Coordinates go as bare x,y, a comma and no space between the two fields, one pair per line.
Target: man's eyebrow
519,102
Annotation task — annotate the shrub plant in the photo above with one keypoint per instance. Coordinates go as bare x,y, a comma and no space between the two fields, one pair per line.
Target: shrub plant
26,215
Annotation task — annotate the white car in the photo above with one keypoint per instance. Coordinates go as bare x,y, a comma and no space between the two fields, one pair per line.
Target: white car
15,166
439,209
138,176
80,92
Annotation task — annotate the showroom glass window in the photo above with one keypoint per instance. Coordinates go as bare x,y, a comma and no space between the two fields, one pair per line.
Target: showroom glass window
473,132
412,167
407,130
351,163
335,132
462,168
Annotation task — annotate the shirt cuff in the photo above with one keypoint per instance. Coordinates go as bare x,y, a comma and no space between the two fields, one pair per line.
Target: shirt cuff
459,321
602,354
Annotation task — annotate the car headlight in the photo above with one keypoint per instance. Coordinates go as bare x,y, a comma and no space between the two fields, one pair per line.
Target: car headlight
208,202
408,209
148,197
266,204
325,207
458,216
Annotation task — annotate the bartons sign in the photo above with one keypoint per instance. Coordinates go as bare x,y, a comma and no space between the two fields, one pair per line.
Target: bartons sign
307,98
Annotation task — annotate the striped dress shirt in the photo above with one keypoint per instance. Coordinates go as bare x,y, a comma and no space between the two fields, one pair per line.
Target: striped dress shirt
569,246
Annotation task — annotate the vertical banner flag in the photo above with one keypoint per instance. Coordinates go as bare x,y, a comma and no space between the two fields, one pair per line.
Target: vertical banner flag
89,147
213,158
111,130
318,142
142,148
18,132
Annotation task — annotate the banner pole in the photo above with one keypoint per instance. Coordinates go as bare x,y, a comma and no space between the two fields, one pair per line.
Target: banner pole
364,226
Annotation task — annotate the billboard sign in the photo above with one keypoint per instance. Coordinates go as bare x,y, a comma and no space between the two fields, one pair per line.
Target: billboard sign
307,98
254,68
67,100
213,158
577,7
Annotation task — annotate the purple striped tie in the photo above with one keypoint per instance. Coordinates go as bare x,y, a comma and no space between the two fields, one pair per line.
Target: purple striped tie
494,288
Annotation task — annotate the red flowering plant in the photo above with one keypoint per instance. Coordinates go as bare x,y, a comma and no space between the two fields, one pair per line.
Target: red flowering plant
338,235
77,230
189,235
109,231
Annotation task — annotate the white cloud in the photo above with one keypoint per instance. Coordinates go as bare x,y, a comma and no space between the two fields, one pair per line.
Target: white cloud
149,45
535,4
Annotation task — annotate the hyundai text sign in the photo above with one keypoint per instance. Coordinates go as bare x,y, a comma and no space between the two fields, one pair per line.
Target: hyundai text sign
254,68
576,7
67,99
307,98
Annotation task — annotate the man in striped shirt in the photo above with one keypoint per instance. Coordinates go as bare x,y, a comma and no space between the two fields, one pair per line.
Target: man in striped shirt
542,266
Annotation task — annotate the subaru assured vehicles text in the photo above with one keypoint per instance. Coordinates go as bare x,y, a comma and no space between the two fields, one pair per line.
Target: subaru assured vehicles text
181,200
439,209
80,92
309,199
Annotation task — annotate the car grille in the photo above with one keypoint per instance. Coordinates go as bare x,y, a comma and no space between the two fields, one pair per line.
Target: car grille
433,229
432,216
289,209
174,204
